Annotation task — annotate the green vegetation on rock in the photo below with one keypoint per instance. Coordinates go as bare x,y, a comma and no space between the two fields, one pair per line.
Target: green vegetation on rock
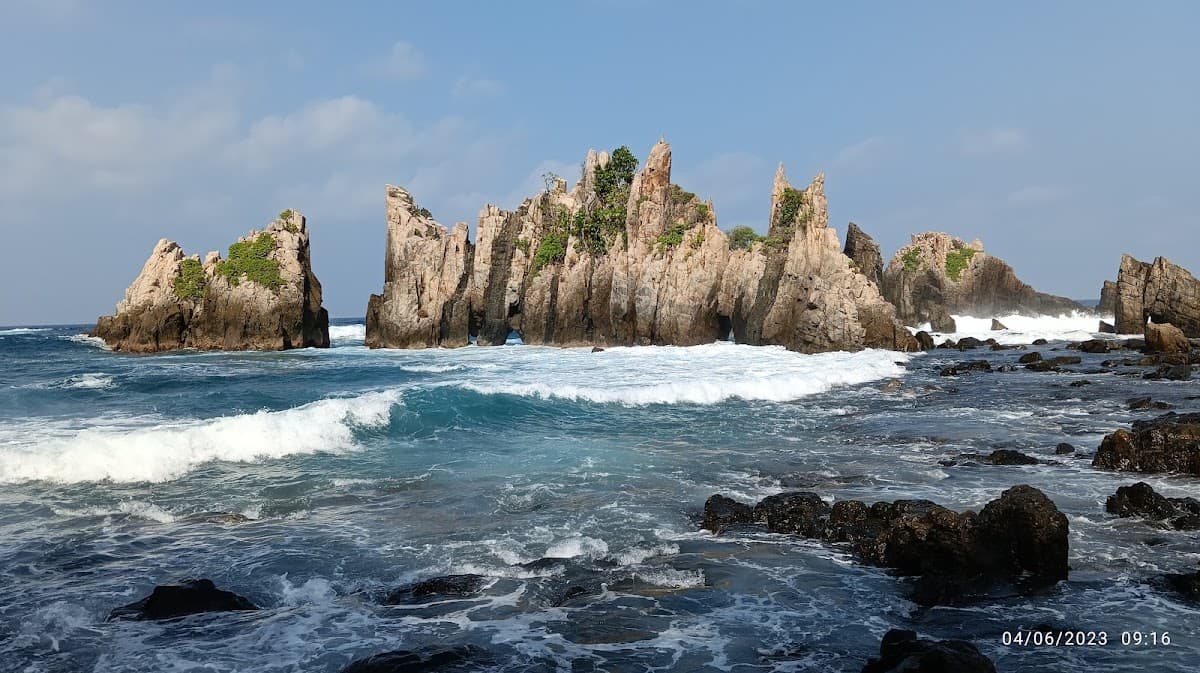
598,224
552,250
288,217
189,285
912,260
672,237
958,260
789,207
743,238
679,196
702,210
251,260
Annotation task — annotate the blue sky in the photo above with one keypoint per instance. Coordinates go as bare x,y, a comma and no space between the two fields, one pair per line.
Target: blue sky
1061,134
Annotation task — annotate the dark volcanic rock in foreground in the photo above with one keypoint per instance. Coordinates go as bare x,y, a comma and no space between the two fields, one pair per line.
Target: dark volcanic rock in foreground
1169,443
263,297
937,275
627,258
901,651
1019,537
192,597
1159,291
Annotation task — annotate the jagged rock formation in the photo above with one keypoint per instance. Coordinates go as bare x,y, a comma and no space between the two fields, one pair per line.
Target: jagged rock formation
938,275
1108,298
1169,443
626,258
863,249
1160,291
422,303
264,297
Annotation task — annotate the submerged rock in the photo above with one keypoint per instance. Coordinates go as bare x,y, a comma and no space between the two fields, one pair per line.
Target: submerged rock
1169,443
264,297
1010,457
1144,403
436,588
178,600
902,651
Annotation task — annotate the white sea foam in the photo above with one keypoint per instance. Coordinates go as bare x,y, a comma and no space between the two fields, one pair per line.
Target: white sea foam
87,340
1025,329
90,381
133,508
637,555
430,369
706,374
347,334
579,545
672,578
165,451
22,330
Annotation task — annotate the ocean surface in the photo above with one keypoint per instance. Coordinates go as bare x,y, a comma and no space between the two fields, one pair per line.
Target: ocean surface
314,481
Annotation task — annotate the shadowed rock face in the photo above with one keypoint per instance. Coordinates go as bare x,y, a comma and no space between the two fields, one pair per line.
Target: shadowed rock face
865,252
638,261
178,302
901,651
1159,291
1169,443
938,275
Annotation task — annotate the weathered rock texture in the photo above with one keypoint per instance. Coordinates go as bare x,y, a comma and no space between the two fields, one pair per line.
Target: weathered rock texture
219,311
1019,537
937,275
863,249
626,259
1108,298
1159,291
1169,443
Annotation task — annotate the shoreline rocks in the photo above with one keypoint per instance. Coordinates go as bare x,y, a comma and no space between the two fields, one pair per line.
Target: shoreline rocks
263,297
901,651
1020,537
1141,500
1169,443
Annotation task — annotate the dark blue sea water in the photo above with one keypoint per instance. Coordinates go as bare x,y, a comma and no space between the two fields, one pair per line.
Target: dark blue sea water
311,481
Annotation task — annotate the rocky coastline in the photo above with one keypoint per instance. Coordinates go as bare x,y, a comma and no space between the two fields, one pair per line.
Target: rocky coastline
263,296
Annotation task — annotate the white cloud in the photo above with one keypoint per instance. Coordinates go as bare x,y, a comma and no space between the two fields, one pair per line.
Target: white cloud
1036,195
403,61
477,87
993,142
862,151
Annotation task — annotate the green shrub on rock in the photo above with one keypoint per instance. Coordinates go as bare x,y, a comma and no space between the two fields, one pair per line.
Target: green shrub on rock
251,260
190,284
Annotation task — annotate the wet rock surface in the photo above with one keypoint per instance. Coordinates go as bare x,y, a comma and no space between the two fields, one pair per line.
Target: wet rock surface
179,600
902,651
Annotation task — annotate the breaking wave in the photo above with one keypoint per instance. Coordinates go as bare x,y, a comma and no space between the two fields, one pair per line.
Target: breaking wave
708,374
1025,329
167,451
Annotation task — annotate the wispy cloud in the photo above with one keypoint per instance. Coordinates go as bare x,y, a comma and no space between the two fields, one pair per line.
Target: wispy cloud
1035,195
477,87
993,142
403,61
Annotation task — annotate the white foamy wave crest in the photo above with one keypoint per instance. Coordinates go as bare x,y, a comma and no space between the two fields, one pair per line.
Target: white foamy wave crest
579,545
430,369
22,330
89,381
1025,329
672,578
706,374
163,452
133,508
347,334
87,340
637,555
